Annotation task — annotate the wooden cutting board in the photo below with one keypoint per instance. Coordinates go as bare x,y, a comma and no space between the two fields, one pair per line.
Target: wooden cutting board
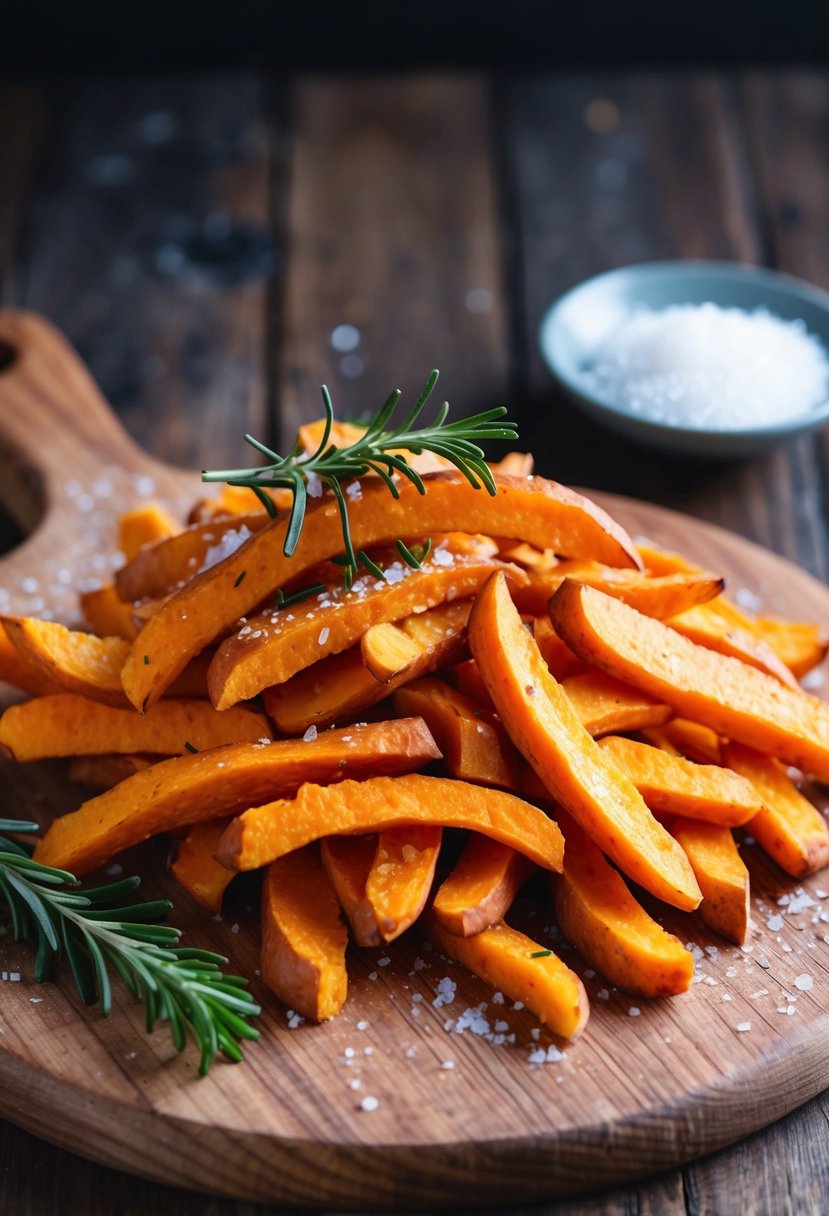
462,1118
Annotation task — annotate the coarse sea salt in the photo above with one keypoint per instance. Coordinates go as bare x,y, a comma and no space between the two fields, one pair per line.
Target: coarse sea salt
710,368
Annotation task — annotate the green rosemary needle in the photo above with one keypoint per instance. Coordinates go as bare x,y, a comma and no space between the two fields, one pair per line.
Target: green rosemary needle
101,928
376,451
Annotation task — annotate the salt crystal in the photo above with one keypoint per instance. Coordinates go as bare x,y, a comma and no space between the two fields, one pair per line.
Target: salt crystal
742,1027
369,1103
603,995
702,366
368,1051
234,928
354,491
554,1055
634,1011
497,998
448,1065
362,1025
323,637
384,961
446,990
349,1053
804,982
538,1056
355,1083
310,735
775,923
500,1027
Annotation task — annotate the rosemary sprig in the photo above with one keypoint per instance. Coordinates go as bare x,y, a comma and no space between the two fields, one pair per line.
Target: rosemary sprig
376,451
101,928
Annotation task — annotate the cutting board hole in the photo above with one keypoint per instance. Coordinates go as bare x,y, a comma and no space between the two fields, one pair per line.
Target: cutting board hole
8,354
11,534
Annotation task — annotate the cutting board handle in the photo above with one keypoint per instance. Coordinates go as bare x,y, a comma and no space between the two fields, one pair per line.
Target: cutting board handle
55,425
66,462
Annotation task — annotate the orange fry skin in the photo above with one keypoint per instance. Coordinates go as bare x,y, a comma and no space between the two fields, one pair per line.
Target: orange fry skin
732,698
545,728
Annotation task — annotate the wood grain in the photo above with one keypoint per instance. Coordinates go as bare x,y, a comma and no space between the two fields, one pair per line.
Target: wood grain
391,200
668,1084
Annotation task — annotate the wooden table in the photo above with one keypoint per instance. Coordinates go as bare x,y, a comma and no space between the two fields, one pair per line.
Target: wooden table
202,241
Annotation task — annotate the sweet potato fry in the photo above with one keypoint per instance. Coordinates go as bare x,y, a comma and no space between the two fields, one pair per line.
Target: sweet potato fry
266,832
789,828
707,625
528,556
613,932
190,789
341,686
664,561
158,569
303,937
106,613
195,868
271,648
21,673
721,874
735,700
799,644
73,661
653,594
607,706
343,434
524,971
66,724
417,645
560,659
537,511
514,464
545,728
482,887
466,678
237,500
475,747
676,786
682,737
347,861
400,877
144,524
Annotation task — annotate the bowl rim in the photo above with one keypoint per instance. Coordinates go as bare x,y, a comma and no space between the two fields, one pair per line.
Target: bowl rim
691,269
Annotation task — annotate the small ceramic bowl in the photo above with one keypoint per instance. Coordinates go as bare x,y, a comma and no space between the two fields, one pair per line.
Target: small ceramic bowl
577,325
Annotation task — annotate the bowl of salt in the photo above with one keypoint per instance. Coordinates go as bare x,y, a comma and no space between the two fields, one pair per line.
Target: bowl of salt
706,358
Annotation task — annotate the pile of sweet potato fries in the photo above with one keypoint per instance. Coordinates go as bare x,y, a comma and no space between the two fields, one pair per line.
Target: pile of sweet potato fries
585,709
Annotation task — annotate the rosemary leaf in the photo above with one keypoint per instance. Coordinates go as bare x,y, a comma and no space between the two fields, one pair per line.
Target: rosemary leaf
377,450
102,928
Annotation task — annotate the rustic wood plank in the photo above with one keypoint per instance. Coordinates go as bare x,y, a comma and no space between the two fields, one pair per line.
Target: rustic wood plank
392,231
21,133
787,122
150,248
599,182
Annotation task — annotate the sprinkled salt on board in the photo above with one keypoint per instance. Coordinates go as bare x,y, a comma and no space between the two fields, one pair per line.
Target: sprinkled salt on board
706,367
